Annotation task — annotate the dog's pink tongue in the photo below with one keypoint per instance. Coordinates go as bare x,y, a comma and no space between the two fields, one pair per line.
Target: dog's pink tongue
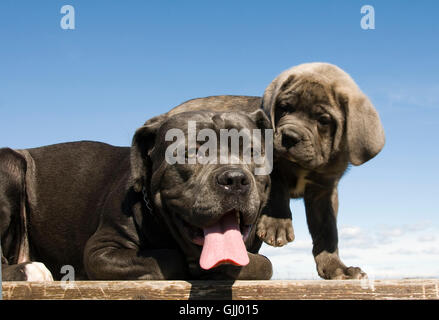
223,244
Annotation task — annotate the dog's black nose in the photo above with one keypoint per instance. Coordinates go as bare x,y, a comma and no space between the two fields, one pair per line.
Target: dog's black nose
233,180
290,139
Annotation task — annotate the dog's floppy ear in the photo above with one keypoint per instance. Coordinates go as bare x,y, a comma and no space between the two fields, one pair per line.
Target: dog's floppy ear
142,144
364,131
260,119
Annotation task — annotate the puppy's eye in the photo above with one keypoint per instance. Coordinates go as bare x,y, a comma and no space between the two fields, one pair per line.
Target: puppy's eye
324,119
284,108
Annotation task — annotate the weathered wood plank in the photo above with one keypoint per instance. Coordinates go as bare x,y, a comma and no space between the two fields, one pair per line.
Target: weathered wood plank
255,290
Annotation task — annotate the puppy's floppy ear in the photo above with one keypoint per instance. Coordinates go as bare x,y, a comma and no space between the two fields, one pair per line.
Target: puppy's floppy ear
273,90
142,144
364,131
269,98
261,119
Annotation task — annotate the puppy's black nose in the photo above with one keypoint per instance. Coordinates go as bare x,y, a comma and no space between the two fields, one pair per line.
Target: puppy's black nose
290,139
233,180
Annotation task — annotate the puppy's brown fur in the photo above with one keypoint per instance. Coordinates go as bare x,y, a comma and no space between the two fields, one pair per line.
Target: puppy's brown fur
323,122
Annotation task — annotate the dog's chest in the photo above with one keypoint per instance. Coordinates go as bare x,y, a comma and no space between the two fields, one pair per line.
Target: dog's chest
298,189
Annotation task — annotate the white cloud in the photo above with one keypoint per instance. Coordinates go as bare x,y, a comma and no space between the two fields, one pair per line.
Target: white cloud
420,226
432,250
404,251
427,238
391,232
353,236
420,95
349,232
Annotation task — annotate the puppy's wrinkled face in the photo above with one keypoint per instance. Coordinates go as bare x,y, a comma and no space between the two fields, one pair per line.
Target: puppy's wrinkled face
308,123
197,196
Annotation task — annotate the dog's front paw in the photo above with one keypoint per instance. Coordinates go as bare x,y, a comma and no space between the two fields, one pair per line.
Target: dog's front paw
36,271
275,231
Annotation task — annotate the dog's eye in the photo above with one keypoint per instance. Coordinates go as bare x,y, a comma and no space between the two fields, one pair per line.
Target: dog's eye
324,119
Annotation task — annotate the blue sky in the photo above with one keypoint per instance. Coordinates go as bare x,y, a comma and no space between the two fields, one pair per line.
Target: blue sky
129,60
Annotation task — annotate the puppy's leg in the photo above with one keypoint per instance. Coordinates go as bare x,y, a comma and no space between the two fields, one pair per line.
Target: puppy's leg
275,225
321,213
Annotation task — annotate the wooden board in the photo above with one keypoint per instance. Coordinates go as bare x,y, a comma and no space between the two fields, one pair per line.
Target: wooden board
199,290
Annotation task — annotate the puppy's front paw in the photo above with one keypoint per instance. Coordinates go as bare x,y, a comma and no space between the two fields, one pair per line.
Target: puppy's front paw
329,266
36,271
275,231
347,273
